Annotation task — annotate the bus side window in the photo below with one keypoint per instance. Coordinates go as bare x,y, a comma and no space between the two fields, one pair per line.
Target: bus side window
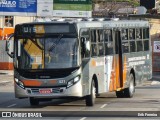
84,34
146,38
139,41
100,43
108,42
132,40
145,33
94,37
125,42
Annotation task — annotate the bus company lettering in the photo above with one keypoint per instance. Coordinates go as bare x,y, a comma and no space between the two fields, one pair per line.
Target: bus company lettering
136,60
7,3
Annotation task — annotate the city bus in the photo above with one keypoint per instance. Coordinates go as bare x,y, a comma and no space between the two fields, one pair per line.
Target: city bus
80,58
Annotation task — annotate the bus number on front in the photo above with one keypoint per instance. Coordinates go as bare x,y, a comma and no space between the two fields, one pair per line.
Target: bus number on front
62,81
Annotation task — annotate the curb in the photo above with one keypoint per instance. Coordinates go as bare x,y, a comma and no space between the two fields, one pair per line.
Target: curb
3,72
3,83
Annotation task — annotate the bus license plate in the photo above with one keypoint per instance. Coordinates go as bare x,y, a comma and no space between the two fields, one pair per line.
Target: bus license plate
45,91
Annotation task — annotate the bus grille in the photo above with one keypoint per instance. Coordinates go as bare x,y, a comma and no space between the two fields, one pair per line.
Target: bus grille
36,90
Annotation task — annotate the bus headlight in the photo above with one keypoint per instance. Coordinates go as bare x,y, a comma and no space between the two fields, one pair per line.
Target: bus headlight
19,83
73,81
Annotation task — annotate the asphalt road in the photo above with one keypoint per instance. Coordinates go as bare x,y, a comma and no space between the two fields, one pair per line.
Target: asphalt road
145,105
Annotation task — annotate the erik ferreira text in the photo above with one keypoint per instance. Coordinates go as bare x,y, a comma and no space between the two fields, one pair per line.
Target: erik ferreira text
147,114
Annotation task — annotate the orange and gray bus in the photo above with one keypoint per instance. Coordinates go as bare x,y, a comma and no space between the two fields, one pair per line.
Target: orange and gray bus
80,58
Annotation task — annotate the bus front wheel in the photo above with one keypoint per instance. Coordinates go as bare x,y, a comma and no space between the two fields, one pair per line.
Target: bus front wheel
33,101
90,99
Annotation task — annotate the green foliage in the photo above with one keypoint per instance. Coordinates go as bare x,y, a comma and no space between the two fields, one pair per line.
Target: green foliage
132,2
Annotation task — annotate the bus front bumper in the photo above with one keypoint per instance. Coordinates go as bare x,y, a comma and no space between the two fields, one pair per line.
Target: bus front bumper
73,91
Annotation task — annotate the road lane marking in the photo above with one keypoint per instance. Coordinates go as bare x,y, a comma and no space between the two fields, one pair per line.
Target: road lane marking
103,105
83,118
11,105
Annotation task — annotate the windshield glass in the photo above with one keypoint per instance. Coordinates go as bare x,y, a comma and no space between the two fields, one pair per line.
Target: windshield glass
47,53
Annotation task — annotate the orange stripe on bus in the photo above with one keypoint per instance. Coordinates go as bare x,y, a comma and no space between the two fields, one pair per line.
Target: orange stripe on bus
53,81
32,83
93,63
113,77
124,70
117,73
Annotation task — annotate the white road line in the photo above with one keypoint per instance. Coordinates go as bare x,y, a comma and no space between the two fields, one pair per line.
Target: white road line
103,106
83,118
11,105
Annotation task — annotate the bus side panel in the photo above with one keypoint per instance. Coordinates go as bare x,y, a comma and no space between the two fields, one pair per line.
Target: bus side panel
97,70
115,80
109,72
113,75
85,76
141,64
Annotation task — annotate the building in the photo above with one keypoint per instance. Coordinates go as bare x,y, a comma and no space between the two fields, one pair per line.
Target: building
7,24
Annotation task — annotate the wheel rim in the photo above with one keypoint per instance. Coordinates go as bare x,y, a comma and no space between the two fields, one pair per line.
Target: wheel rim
131,86
93,93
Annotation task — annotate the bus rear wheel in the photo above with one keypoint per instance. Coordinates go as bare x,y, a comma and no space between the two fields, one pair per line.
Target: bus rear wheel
33,101
129,92
120,94
90,99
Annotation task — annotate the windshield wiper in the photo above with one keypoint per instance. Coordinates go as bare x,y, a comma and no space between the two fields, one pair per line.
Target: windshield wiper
55,43
35,42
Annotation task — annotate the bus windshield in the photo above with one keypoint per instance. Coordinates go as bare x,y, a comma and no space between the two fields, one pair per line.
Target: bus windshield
54,52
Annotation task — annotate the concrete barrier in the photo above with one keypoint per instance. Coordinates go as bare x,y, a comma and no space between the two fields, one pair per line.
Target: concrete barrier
6,63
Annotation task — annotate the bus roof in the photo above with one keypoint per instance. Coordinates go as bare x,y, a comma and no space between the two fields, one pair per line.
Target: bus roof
109,23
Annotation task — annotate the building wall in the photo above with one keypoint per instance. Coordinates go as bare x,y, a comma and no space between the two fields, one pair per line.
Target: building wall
17,20
6,63
155,38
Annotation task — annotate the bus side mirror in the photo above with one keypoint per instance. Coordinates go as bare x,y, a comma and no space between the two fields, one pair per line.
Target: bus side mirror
9,46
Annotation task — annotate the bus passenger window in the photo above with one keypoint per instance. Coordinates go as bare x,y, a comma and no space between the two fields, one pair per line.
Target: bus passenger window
139,46
93,35
146,45
84,32
109,48
101,49
125,47
108,42
94,49
131,34
85,35
124,34
100,36
145,33
138,33
132,46
108,35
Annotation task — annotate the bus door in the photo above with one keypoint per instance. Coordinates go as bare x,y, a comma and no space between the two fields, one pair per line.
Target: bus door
113,66
118,59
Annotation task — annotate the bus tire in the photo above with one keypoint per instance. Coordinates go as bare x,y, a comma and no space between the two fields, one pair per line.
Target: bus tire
33,101
90,99
128,92
120,94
